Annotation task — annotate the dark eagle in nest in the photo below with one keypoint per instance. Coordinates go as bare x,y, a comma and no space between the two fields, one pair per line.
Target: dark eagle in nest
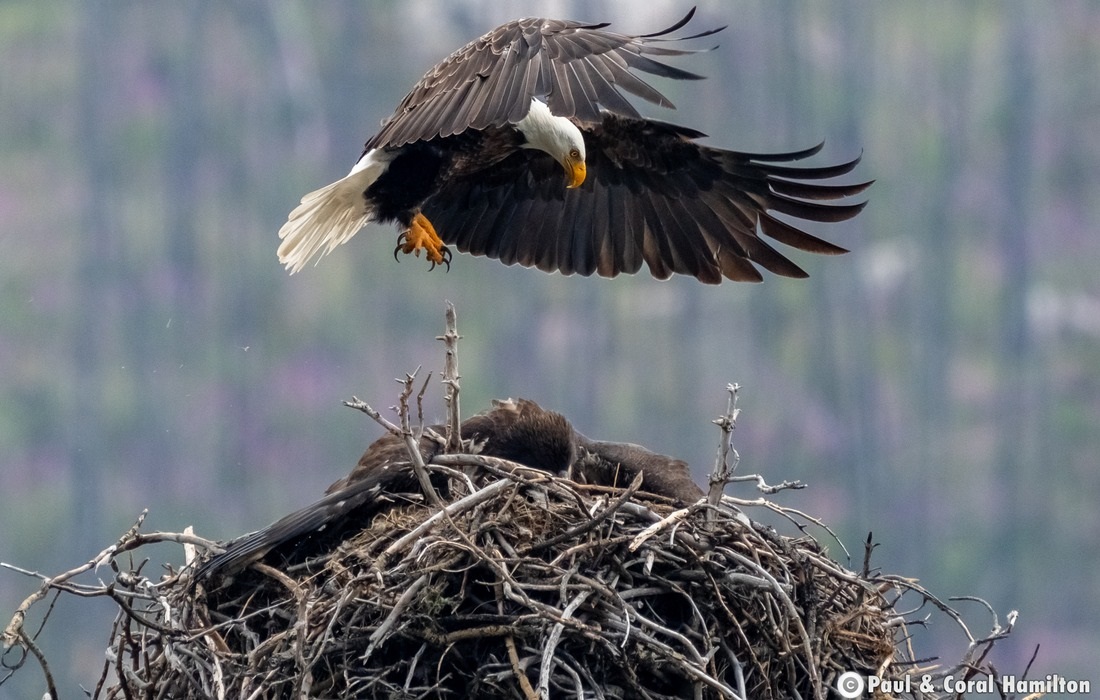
473,158
520,431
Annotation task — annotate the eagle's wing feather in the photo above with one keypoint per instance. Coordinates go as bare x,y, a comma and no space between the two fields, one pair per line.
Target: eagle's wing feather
576,68
333,509
653,195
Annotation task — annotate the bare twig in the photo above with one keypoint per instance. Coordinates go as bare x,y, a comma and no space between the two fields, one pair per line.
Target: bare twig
552,643
412,441
379,635
13,632
451,510
763,486
670,519
723,467
517,670
21,637
451,376
360,405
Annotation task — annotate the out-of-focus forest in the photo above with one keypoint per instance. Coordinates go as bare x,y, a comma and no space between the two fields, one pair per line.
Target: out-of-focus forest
939,385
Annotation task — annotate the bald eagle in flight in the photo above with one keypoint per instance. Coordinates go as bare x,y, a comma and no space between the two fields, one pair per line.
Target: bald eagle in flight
474,156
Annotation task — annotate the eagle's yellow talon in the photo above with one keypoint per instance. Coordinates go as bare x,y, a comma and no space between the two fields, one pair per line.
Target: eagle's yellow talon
420,236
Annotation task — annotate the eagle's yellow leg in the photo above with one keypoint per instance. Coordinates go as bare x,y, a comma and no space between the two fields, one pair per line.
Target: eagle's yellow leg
422,236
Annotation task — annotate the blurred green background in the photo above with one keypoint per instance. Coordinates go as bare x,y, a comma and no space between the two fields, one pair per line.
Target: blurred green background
939,386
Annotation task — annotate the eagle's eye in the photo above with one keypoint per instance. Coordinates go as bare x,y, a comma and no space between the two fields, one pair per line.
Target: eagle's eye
574,153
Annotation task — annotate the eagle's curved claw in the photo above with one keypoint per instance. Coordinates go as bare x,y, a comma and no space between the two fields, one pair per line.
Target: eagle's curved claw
445,254
421,235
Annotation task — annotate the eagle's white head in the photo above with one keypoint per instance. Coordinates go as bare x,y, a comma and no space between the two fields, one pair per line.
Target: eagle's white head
557,136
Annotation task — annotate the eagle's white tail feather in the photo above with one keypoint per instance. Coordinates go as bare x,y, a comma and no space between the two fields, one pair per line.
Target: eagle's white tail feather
331,215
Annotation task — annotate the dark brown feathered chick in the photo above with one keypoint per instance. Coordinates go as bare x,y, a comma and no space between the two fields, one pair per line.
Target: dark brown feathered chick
616,464
516,430
519,431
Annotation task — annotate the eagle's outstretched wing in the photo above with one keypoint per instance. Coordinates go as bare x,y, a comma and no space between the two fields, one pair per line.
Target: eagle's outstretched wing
577,69
653,195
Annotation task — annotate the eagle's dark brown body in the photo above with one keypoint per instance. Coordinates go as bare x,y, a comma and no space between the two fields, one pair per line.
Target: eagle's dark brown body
519,431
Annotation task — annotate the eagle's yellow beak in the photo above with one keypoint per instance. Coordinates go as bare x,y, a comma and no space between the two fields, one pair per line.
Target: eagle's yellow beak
574,171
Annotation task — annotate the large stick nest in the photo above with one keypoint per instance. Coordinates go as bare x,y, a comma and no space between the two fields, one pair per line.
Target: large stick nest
530,584
524,585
